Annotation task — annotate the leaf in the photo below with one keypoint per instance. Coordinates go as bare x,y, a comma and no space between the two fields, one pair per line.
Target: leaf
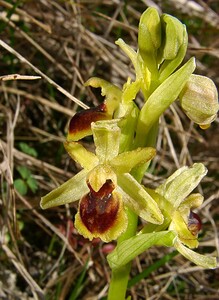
27,149
129,249
21,186
32,184
24,172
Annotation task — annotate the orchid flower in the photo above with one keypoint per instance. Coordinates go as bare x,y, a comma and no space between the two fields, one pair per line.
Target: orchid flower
105,186
181,225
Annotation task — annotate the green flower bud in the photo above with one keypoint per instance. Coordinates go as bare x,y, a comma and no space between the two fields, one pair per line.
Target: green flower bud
174,36
199,100
149,37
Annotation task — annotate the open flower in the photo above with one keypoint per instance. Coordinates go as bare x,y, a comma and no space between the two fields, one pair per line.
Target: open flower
181,224
105,186
184,222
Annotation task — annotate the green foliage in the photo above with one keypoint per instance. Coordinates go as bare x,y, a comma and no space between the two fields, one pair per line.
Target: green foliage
79,284
27,149
27,181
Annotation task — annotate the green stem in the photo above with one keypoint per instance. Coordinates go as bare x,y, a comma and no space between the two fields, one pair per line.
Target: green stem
120,277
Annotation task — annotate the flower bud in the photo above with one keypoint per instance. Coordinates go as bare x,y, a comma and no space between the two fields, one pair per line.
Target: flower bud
149,37
199,100
173,37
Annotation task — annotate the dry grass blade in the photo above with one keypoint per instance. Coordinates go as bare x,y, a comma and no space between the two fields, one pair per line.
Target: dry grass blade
26,15
36,290
58,87
18,77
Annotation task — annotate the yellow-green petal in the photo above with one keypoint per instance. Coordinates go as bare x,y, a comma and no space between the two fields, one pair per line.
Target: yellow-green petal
126,161
113,93
78,153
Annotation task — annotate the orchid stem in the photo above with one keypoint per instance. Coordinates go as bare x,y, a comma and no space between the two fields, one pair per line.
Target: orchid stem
120,277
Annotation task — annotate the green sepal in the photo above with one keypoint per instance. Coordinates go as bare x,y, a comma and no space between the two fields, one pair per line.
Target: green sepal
198,259
106,138
131,248
138,200
70,191
127,125
181,183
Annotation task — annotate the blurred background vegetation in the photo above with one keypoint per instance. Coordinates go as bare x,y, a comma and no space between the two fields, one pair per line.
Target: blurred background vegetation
41,254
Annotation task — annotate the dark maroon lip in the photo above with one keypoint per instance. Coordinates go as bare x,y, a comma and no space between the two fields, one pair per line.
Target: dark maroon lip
98,210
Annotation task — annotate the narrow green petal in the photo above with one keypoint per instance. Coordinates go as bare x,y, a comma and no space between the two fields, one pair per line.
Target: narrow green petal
181,186
136,198
70,191
106,138
126,161
129,249
78,153
128,51
198,259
